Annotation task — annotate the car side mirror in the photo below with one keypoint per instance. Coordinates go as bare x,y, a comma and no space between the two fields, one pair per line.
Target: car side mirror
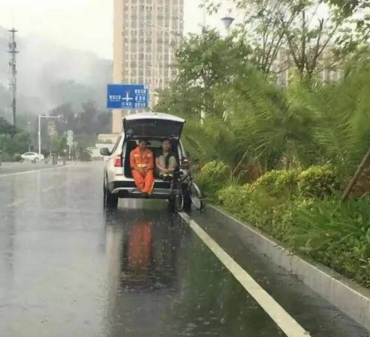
105,152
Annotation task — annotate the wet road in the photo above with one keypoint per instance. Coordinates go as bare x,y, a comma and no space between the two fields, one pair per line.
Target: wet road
11,168
69,269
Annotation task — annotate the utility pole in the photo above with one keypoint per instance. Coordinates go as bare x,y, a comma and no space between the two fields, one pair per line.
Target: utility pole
29,132
13,72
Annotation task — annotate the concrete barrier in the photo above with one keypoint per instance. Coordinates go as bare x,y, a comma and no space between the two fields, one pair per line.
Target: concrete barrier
346,295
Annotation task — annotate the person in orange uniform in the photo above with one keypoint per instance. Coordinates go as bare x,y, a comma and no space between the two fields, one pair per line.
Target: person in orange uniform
142,166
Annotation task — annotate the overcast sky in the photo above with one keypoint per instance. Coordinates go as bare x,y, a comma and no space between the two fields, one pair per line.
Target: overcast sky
81,24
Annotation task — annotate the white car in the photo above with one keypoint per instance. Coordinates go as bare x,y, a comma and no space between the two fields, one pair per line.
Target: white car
32,157
154,127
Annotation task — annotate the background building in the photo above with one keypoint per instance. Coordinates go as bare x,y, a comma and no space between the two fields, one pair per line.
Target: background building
146,33
283,65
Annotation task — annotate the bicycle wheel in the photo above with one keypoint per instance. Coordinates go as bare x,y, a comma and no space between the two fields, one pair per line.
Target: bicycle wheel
178,197
196,196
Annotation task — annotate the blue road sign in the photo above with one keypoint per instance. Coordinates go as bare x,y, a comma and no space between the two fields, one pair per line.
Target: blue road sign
127,96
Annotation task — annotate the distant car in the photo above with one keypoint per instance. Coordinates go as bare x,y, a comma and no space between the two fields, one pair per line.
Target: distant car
32,157
154,127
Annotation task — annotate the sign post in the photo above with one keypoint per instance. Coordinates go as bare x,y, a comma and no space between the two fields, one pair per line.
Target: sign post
127,96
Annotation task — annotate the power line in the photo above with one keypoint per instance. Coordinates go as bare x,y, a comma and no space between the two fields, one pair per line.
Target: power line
13,72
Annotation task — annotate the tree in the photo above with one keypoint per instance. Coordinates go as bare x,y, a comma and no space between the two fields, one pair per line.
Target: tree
89,121
68,117
6,128
317,34
204,61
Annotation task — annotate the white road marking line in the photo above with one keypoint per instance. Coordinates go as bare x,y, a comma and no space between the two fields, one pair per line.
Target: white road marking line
16,203
33,171
286,322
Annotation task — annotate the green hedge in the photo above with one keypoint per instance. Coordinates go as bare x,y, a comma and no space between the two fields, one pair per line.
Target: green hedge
336,234
6,157
302,209
17,158
279,182
212,177
317,181
85,156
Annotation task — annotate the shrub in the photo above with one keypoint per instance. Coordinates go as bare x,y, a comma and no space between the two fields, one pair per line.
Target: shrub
336,234
6,157
17,157
235,197
279,182
333,233
317,181
212,177
85,156
257,207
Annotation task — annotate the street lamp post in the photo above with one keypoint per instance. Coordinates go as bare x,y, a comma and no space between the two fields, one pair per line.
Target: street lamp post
39,134
29,132
228,20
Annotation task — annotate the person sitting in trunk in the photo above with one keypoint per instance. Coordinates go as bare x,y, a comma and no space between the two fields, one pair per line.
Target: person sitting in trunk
166,162
142,166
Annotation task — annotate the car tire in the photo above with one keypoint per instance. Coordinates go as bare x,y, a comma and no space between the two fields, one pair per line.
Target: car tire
110,200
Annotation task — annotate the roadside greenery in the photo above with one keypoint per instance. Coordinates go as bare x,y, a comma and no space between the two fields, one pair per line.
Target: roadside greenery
276,157
318,224
12,142
86,124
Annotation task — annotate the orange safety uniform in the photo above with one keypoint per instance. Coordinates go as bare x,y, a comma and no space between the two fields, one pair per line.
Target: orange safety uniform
143,160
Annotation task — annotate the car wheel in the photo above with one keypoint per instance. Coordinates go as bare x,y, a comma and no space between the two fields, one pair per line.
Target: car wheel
176,203
110,200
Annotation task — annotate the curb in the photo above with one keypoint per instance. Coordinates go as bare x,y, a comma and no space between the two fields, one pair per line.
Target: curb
349,297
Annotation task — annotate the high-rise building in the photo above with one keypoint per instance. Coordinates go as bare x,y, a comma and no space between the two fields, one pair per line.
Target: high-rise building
146,33
283,65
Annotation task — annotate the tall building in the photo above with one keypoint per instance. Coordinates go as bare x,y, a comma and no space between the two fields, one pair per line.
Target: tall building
146,33
283,65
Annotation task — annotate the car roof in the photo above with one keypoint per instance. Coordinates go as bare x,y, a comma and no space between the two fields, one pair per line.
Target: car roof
154,115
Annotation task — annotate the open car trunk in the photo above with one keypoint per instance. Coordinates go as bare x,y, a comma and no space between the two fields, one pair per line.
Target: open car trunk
155,146
152,126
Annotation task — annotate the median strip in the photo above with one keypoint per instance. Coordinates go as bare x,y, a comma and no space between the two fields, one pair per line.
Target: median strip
286,322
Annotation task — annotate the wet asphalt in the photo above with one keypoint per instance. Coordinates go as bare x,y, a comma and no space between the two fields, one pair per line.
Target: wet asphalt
68,268
26,166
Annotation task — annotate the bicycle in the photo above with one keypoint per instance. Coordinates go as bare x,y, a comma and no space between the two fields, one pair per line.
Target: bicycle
180,193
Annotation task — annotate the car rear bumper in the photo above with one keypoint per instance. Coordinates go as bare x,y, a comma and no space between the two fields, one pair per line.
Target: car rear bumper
127,189
134,193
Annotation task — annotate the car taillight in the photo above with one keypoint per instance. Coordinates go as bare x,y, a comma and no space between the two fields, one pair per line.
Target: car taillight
118,162
185,163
